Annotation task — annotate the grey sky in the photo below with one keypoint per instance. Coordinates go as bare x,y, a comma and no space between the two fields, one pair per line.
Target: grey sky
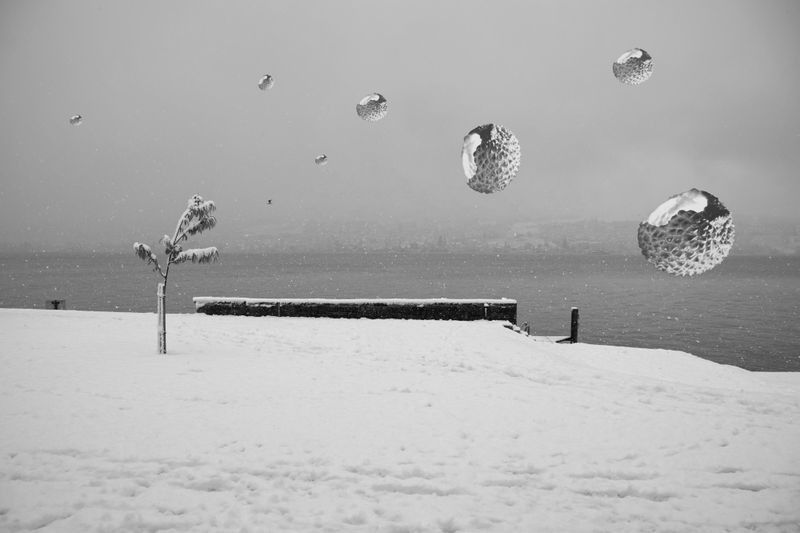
171,107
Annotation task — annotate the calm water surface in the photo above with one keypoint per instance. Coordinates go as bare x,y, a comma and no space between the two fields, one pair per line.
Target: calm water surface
746,312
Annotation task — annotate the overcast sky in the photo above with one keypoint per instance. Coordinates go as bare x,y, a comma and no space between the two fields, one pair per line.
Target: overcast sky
170,104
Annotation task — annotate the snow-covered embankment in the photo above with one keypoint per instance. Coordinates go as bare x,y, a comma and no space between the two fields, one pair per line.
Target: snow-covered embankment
299,424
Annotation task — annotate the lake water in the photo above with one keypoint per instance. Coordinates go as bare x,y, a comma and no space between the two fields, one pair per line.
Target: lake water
746,312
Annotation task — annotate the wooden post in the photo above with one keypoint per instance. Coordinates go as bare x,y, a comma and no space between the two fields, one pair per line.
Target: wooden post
162,320
573,329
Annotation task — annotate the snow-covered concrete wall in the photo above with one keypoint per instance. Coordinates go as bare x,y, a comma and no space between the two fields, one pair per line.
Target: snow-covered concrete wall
419,309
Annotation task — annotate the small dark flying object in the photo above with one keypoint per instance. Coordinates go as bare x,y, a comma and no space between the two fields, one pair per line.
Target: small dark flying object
269,202
267,82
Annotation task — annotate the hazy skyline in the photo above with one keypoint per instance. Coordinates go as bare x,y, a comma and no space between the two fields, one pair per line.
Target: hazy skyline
171,107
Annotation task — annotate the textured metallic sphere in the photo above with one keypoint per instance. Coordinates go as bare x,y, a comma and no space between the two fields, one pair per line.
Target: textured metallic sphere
321,159
633,67
689,234
75,120
266,82
372,107
490,157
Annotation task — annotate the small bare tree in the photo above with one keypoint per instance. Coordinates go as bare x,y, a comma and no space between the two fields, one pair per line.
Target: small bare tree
196,219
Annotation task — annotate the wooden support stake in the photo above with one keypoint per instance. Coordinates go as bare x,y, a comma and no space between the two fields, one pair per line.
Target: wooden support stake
573,329
162,320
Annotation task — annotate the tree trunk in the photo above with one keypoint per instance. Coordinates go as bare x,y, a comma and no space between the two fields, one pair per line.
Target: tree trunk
162,319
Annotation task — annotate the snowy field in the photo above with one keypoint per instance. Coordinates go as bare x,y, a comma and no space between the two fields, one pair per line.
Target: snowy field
299,424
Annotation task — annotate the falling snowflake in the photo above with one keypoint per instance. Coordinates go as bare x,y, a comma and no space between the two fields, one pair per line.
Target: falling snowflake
372,107
266,82
490,157
690,233
633,67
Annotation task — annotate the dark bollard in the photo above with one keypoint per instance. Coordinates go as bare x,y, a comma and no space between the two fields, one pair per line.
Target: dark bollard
56,304
573,329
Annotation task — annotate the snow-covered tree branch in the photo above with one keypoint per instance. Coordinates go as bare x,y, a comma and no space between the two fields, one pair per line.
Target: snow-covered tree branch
198,255
145,253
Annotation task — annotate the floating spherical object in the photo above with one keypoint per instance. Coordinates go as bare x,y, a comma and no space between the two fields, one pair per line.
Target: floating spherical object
490,157
266,82
75,120
690,233
321,159
372,107
633,67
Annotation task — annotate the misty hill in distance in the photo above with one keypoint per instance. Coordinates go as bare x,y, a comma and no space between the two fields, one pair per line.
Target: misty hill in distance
754,236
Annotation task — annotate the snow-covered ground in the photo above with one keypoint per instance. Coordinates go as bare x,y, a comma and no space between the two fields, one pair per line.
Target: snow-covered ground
302,424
